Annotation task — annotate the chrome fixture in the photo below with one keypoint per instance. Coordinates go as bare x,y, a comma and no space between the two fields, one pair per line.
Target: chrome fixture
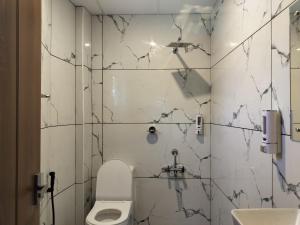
176,167
152,130
176,45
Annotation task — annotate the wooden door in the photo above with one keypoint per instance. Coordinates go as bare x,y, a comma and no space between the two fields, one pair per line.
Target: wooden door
20,83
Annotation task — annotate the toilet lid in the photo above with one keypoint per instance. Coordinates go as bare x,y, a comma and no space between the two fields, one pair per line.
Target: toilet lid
114,182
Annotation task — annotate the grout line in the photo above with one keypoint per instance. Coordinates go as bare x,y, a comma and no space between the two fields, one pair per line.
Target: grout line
249,36
57,57
210,126
168,178
222,192
236,127
81,124
152,14
133,69
63,190
75,114
271,25
102,103
83,65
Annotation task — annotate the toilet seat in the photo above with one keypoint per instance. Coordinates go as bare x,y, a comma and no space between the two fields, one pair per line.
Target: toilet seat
123,206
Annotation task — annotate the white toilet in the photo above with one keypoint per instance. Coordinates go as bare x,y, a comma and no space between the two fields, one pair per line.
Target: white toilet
114,195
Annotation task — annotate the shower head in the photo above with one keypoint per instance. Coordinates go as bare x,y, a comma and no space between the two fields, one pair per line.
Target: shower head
176,45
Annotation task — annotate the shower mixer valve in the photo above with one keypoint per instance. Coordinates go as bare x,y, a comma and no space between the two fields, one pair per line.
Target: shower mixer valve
176,167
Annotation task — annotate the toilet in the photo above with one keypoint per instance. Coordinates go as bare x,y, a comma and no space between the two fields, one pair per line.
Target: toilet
114,195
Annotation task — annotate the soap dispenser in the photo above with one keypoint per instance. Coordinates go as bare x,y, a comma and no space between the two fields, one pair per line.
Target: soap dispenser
271,132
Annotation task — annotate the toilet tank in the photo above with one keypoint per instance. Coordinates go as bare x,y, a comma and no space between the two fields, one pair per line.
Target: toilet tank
114,182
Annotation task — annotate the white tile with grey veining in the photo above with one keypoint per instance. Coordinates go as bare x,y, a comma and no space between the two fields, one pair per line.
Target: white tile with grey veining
94,181
65,207
46,23
150,152
281,68
234,21
172,202
83,153
83,201
286,176
97,22
241,83
97,153
83,95
141,41
295,93
45,87
58,154
279,5
239,168
83,37
97,86
221,207
61,101
63,30
160,96
295,37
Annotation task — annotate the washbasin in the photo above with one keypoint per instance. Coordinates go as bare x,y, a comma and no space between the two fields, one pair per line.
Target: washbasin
266,216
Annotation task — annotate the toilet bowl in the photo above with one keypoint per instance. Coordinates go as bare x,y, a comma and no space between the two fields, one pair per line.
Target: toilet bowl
114,191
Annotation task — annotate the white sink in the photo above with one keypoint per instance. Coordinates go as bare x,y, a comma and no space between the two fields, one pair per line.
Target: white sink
266,216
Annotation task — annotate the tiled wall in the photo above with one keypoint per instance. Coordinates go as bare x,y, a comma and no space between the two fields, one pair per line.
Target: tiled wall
66,110
58,108
83,114
106,79
136,82
250,73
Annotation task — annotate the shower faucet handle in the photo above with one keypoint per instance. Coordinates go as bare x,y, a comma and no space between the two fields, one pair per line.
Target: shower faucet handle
174,152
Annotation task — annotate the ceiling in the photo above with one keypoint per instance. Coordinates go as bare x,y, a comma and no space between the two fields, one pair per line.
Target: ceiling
146,6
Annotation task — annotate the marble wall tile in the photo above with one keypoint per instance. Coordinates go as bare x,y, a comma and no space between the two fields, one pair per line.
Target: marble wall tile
295,43
241,83
65,207
58,154
239,168
281,68
97,86
83,95
149,153
83,37
221,207
286,178
46,23
45,87
83,153
279,5
61,100
94,181
235,21
63,30
97,153
97,57
141,41
83,201
164,96
295,106
163,201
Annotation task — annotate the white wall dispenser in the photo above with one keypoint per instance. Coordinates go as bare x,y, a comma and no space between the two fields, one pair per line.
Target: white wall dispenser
271,132
199,125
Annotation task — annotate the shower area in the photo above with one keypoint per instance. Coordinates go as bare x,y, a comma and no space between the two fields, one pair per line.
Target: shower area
111,71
